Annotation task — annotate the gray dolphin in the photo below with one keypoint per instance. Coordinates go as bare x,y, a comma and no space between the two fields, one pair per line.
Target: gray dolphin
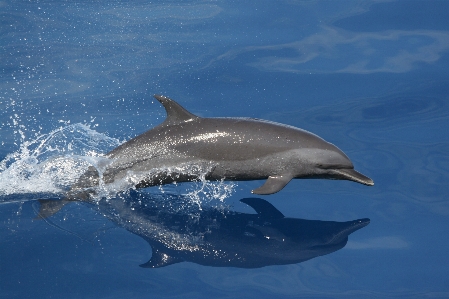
186,147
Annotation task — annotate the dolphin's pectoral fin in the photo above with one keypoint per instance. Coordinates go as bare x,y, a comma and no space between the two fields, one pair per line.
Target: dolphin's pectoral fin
263,208
160,259
273,184
175,113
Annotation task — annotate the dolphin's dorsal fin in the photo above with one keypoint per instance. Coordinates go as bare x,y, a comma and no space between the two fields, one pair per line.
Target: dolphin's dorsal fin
263,208
160,259
175,113
273,184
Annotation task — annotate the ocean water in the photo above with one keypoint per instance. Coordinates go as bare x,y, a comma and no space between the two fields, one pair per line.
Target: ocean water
77,80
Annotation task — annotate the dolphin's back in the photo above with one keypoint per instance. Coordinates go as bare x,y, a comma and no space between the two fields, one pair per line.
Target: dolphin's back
220,139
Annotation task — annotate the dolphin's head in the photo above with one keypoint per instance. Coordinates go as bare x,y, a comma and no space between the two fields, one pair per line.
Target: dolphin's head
329,162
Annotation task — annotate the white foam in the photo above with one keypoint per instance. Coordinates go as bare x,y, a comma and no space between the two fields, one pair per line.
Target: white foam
52,162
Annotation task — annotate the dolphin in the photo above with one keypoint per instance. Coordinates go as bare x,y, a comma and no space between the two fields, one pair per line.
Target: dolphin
186,147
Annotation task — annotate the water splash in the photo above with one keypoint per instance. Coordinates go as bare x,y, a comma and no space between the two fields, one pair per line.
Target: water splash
204,192
51,162
200,192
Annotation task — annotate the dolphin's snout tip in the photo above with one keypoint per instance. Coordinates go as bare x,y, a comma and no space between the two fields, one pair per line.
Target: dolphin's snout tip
370,183
365,180
353,175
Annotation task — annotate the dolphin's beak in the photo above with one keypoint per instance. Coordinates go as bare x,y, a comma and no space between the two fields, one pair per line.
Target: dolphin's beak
352,175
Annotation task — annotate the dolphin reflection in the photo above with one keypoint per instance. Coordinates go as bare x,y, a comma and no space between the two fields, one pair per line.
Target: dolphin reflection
219,237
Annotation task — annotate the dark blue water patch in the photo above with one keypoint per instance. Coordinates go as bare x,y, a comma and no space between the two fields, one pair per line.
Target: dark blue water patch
386,111
58,255
399,15
400,107
232,88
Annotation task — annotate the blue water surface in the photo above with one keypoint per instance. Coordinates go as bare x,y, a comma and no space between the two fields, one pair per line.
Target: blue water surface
77,79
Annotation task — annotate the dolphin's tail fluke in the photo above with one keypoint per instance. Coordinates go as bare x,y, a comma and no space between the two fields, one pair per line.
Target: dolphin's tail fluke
49,207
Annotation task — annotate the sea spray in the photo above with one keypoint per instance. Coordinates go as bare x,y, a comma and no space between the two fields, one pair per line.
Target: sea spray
51,162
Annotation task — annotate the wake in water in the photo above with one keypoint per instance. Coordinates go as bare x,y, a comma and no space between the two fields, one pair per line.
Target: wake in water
53,162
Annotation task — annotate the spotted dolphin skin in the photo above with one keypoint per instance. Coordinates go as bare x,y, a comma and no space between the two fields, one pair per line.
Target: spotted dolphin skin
186,147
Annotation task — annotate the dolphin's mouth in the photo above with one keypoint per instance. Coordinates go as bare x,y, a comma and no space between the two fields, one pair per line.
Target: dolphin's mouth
352,175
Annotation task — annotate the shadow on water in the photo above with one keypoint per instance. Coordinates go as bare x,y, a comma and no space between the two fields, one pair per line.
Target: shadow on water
179,230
